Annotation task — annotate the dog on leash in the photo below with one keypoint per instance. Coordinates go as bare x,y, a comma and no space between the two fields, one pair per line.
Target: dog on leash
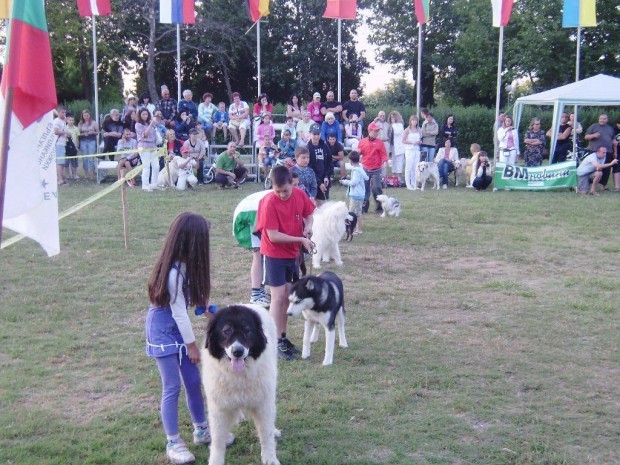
427,170
239,374
321,300
350,223
328,228
390,205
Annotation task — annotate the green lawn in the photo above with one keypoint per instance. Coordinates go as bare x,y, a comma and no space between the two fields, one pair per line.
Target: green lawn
483,328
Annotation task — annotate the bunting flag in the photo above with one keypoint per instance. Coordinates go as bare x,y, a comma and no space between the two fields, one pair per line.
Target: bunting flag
421,10
31,195
257,9
5,9
94,7
502,9
176,12
341,9
579,13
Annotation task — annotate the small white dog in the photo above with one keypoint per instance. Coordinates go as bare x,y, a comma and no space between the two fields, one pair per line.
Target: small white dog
460,166
328,228
390,205
426,171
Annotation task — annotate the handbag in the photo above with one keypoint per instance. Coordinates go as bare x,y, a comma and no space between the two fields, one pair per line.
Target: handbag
392,181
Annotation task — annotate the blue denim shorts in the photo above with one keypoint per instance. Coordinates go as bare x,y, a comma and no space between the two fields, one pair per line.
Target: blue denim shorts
61,153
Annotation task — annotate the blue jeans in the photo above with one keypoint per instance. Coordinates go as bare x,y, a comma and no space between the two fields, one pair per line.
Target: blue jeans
88,147
444,166
430,152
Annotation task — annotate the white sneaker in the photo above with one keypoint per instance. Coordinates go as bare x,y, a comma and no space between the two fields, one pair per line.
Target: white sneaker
177,452
202,436
261,300
445,186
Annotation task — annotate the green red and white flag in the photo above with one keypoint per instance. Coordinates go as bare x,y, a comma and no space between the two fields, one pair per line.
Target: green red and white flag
94,7
244,220
421,8
502,9
31,192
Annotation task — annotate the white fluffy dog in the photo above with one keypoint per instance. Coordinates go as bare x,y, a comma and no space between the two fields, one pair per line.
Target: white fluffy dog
390,205
328,228
240,374
460,166
426,171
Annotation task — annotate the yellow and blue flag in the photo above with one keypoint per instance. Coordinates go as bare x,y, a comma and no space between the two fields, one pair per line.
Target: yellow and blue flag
579,13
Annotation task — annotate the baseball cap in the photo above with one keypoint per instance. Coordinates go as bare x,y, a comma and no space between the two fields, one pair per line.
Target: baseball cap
374,127
315,129
316,94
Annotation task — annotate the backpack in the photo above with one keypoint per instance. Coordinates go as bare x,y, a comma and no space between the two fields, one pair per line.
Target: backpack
392,181
70,148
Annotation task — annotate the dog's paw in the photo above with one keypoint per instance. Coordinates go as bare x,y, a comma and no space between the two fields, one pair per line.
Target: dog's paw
343,344
273,460
305,356
327,363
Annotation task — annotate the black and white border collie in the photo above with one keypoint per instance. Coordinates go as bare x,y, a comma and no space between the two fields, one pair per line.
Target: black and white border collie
239,374
321,300
351,223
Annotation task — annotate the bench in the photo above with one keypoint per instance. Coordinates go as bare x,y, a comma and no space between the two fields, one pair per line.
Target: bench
103,168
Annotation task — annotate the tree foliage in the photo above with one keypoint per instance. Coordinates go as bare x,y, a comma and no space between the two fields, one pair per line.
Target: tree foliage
460,46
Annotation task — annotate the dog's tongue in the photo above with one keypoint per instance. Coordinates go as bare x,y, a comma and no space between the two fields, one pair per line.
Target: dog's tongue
238,364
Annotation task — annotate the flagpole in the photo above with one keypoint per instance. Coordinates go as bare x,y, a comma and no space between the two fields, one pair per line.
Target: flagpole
95,81
4,150
178,62
419,79
576,79
258,53
499,72
339,59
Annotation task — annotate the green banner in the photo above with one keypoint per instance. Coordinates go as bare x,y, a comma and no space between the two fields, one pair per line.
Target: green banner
556,176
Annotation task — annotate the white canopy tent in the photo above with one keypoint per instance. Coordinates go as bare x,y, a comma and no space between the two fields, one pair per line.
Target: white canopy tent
600,90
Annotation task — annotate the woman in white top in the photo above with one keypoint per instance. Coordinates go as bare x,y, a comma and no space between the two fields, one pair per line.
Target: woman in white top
445,158
411,139
396,130
303,129
508,142
353,133
145,131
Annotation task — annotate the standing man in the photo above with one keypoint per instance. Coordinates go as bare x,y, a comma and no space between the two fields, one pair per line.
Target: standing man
429,131
374,161
599,135
321,163
61,132
331,105
167,105
336,151
229,168
353,107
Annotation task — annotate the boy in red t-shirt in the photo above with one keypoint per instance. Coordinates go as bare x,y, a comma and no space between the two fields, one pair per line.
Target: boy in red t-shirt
284,221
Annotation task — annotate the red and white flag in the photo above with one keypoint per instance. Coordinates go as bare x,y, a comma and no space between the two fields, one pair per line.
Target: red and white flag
31,193
502,9
94,7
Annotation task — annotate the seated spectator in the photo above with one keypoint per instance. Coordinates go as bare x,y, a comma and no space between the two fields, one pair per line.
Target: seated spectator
286,145
129,122
303,129
294,109
333,106
128,161
445,158
130,105
229,168
239,119
307,178
264,129
331,126
292,128
268,154
185,165
262,107
205,112
167,106
112,131
590,171
314,108
183,125
145,102
220,120
173,146
160,126
481,170
188,105
353,132
353,106
197,150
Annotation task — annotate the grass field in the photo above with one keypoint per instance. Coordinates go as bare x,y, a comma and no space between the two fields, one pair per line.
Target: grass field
483,328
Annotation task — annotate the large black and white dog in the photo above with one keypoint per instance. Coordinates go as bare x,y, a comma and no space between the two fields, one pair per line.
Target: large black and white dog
321,300
351,223
239,373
